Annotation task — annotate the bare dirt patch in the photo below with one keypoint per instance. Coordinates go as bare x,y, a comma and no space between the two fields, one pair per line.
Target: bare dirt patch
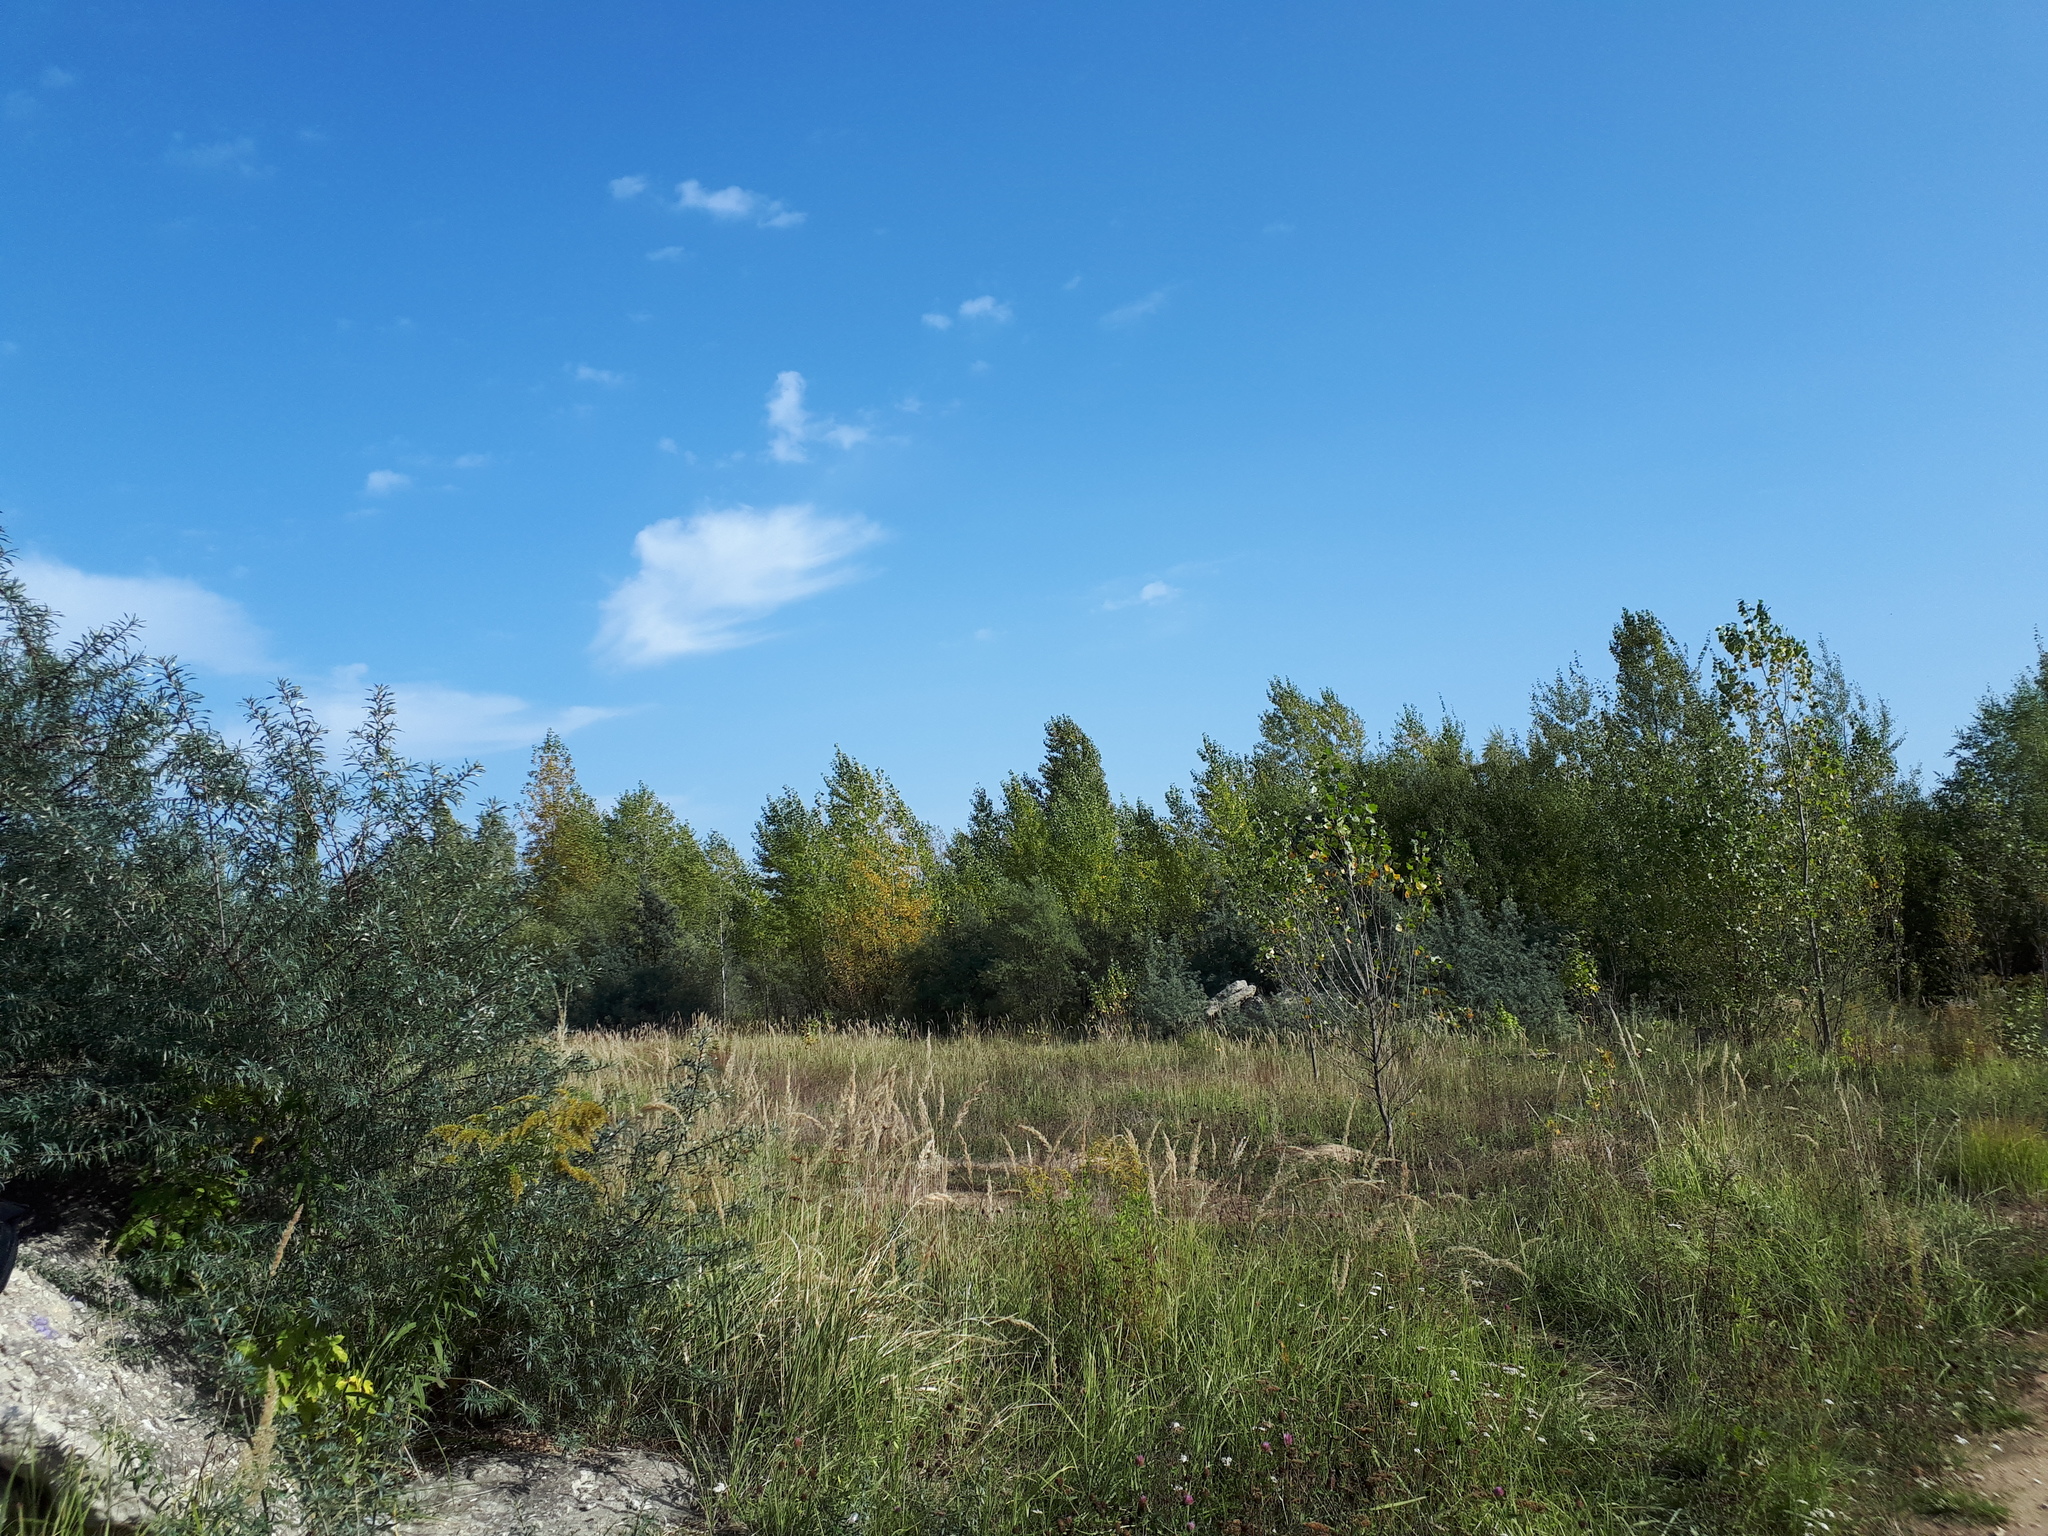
2013,1470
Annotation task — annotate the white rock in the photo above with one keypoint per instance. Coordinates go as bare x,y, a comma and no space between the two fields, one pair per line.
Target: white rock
1236,995
590,1493
135,1438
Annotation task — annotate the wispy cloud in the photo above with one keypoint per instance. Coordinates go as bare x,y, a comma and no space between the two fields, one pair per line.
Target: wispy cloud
625,187
986,308
791,426
203,629
226,157
1150,595
668,253
179,617
438,721
583,373
737,203
701,581
20,106
383,482
471,460
1136,310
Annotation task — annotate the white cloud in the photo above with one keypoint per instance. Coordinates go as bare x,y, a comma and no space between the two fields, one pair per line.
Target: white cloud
700,581
987,307
1150,595
732,203
668,253
180,617
624,187
472,460
55,79
1136,310
236,157
382,482
203,629
438,721
668,445
583,373
790,425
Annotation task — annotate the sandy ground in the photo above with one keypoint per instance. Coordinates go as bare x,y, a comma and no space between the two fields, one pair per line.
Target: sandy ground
2014,1470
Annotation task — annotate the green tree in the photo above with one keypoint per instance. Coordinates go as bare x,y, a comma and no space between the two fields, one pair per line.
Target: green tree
1993,809
1814,762
1090,900
849,882
642,921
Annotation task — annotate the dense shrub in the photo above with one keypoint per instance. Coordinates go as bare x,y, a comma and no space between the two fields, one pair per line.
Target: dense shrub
281,994
1501,963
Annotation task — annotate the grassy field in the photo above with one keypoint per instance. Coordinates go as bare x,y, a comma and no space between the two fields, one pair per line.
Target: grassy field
1621,1283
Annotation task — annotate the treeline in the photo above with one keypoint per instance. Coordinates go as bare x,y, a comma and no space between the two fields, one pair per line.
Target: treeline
1725,834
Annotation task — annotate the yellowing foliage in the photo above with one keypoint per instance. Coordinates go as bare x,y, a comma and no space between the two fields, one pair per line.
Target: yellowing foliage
549,1133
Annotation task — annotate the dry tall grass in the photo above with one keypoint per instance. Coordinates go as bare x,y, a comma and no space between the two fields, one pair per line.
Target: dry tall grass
1614,1285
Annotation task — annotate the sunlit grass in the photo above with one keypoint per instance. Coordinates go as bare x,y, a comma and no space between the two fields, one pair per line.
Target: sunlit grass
1610,1284
2002,1157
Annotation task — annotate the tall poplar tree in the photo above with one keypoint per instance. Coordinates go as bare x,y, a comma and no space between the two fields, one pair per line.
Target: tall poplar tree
1812,760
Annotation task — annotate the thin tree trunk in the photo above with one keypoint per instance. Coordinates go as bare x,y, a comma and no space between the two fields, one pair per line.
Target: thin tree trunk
1823,1026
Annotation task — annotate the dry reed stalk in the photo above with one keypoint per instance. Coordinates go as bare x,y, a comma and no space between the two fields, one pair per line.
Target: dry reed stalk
255,1470
277,1258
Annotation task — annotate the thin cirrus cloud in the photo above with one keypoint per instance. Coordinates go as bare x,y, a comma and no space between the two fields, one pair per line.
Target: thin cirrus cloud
1138,309
182,619
988,307
701,582
791,425
224,157
435,720
583,373
384,482
179,617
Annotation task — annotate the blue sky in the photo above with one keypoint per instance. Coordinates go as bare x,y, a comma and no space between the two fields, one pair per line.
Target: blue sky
726,383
